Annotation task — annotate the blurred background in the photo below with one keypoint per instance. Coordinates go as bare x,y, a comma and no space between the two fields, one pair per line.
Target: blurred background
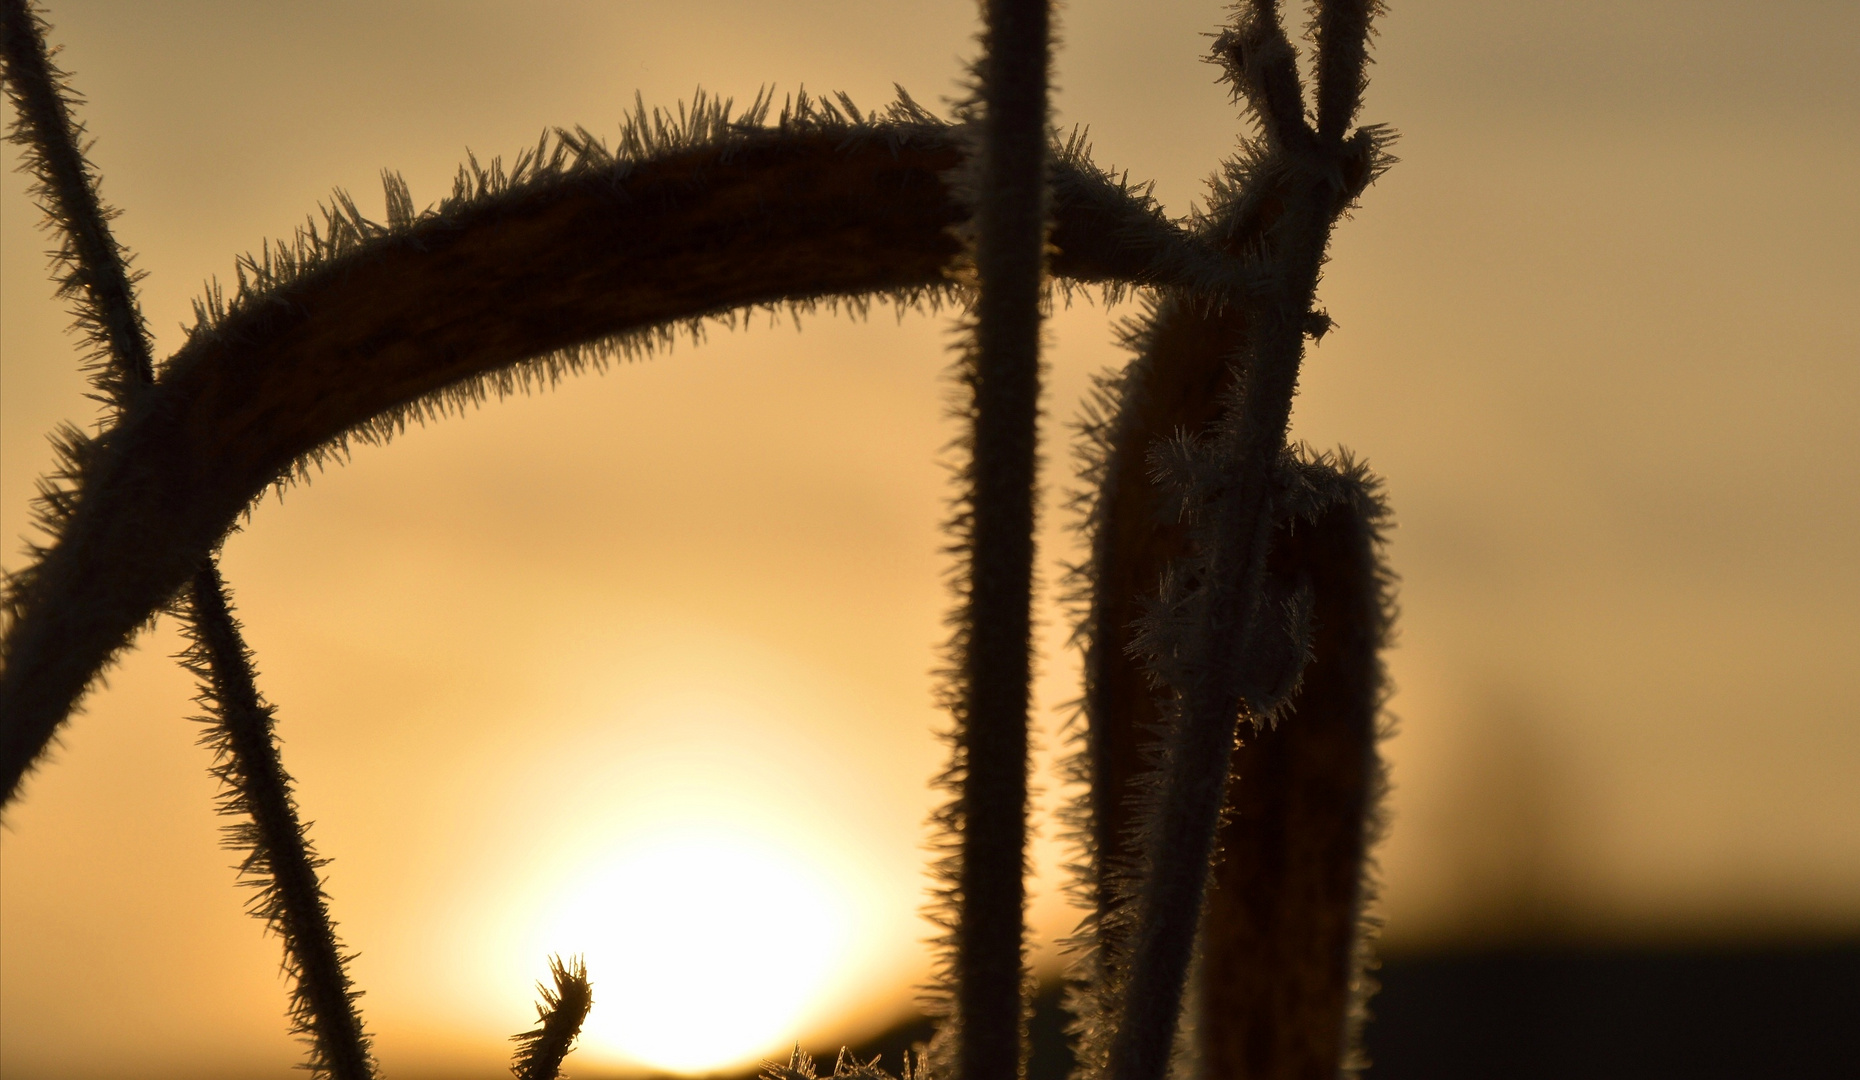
641,667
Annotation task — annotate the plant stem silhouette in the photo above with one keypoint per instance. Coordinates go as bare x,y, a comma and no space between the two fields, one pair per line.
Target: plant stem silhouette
280,861
1218,621
93,269
576,256
1231,577
1002,373
1281,984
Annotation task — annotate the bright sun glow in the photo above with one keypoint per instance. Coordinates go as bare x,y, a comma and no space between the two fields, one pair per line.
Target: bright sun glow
706,948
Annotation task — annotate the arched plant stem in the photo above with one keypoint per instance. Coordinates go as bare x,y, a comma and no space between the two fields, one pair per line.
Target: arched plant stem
432,314
1003,375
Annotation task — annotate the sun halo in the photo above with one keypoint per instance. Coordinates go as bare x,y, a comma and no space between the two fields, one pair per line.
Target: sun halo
709,948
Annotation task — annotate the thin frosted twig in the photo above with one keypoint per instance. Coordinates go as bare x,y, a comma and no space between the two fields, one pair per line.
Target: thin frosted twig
93,271
92,268
1182,362
564,1007
280,861
1259,52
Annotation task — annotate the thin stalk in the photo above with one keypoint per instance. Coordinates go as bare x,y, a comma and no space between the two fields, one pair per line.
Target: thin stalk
1200,744
1199,747
280,859
95,268
1011,226
1175,386
1174,886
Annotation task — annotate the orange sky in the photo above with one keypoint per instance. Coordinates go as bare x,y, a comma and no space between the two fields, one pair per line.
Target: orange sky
1595,329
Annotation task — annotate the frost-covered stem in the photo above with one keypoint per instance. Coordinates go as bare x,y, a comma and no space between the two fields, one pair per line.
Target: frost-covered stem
1264,66
451,305
540,1050
280,857
1177,385
996,663
1199,747
92,269
67,181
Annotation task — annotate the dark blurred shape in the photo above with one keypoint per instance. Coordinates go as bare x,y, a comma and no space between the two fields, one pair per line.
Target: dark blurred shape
1596,1014
1752,1013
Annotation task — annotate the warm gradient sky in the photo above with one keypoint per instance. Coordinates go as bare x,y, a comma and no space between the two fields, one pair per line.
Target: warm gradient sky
653,649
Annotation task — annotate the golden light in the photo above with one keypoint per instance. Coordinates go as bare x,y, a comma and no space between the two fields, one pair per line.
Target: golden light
712,944
689,838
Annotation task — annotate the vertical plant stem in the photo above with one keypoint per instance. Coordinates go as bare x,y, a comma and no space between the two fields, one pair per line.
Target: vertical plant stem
291,898
996,664
1235,616
1176,385
1200,747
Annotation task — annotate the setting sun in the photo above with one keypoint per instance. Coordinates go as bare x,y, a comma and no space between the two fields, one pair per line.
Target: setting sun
708,948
